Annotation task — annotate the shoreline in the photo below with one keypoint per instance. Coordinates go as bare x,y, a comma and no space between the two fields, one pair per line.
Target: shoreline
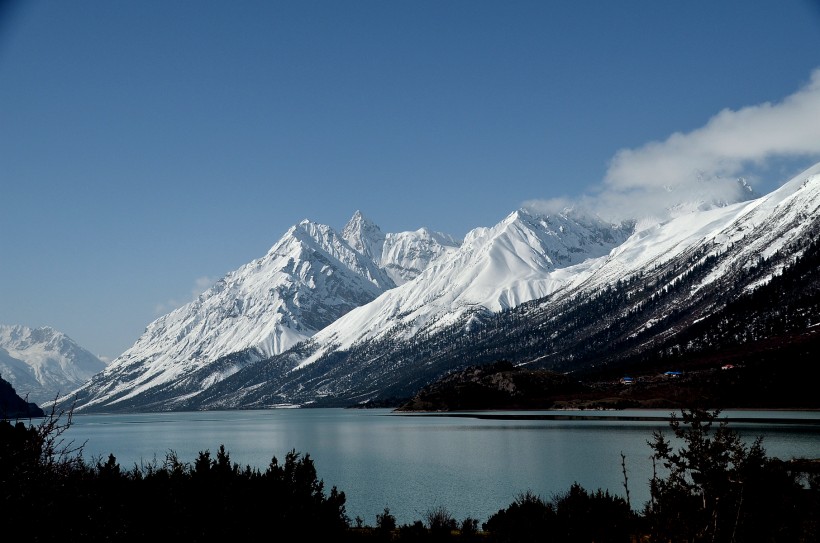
488,415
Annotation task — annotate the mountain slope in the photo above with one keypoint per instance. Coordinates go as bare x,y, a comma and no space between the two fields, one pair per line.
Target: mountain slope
41,363
494,269
562,292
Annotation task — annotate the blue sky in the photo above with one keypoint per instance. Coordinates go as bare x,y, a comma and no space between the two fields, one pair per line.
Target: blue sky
149,147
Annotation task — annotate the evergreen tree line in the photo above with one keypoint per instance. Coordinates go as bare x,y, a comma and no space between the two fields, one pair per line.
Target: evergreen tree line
707,486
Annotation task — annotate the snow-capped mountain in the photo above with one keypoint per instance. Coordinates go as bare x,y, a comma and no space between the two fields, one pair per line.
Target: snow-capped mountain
42,363
563,291
494,269
637,298
308,279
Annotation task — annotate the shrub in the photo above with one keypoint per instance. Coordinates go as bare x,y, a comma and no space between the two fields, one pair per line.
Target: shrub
717,489
582,517
440,523
385,521
527,519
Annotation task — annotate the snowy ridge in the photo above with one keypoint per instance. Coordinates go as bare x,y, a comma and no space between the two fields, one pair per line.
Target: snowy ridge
307,280
41,362
740,232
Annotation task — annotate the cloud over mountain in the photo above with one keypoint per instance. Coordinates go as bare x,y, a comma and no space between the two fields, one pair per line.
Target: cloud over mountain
702,167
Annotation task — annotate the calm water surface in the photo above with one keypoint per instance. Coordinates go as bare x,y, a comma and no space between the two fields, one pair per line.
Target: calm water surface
472,464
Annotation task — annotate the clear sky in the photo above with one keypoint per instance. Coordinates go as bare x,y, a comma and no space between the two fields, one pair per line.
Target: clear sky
149,147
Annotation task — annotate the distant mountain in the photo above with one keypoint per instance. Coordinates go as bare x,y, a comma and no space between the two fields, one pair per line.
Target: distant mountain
13,406
42,363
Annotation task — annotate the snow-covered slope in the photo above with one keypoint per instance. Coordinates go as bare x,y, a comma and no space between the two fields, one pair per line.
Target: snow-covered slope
42,363
740,233
494,269
312,277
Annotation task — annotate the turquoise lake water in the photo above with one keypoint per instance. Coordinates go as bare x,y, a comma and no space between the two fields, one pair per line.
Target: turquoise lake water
473,464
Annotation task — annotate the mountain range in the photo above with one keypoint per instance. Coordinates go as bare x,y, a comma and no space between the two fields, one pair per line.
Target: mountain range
358,317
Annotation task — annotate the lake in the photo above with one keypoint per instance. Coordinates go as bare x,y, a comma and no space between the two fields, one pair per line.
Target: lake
473,464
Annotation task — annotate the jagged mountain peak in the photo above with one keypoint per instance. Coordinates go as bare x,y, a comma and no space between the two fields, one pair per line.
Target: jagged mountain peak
402,255
20,333
364,236
359,225
494,269
547,241
360,222
311,238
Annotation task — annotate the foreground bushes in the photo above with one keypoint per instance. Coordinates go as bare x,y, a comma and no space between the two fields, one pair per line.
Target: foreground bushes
51,494
715,488
711,488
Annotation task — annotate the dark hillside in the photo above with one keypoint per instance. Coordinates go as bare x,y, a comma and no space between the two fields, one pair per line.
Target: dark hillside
13,406
495,386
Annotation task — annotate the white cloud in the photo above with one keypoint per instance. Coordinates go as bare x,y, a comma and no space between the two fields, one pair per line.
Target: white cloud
161,308
201,284
702,167
729,141
551,206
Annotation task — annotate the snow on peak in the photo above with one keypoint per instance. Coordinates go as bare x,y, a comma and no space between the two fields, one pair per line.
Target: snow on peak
364,236
339,289
322,238
741,232
401,255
